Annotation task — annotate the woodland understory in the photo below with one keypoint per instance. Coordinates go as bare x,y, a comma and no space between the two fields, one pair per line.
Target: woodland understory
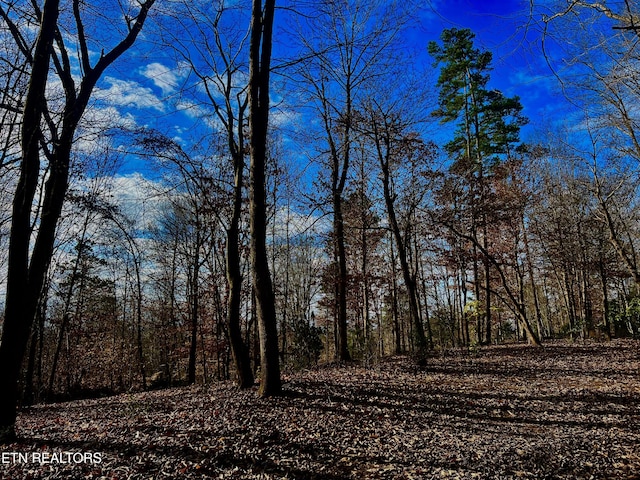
567,410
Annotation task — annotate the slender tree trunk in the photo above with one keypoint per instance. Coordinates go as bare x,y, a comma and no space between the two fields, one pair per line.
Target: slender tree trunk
570,302
259,69
402,245
33,387
287,281
139,344
464,318
477,289
239,349
532,282
340,159
342,352
193,340
24,289
365,258
29,396
394,301
605,298
423,284
487,287
194,299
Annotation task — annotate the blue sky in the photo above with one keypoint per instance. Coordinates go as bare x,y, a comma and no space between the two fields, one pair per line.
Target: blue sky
519,68
146,91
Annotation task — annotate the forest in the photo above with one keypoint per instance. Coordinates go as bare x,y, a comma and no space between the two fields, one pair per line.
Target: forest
232,193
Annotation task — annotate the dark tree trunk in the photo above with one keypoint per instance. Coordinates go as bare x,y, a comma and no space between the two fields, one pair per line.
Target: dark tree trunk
605,297
193,342
532,282
340,159
194,300
402,244
394,302
342,352
25,276
487,289
239,348
139,345
259,66
33,386
23,289
421,344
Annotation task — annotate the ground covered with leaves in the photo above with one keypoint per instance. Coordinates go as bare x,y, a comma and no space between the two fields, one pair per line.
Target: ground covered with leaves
564,411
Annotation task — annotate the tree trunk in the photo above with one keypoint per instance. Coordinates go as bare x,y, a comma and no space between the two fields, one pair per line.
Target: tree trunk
605,297
259,66
487,287
33,387
193,300
239,349
419,266
401,245
532,283
139,346
342,352
394,301
23,289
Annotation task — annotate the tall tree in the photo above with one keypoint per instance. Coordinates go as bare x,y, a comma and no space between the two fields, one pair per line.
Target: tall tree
27,269
350,45
213,50
603,81
394,145
488,126
260,47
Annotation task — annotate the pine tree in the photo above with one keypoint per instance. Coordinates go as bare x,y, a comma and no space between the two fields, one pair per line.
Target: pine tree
488,126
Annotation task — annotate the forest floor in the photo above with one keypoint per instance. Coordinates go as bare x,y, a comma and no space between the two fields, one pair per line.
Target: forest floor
564,411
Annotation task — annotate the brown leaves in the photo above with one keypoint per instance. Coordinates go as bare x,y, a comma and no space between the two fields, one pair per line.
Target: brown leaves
507,412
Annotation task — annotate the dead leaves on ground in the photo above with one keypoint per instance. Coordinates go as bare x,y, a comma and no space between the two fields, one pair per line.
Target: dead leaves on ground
565,411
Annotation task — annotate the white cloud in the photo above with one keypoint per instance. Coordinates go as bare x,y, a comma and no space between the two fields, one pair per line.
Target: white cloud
282,117
110,117
127,93
162,76
293,223
192,109
138,198
201,113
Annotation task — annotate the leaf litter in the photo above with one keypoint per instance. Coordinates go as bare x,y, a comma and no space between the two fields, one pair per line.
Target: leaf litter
567,411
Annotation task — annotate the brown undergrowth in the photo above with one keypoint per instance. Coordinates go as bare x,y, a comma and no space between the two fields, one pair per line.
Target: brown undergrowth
564,411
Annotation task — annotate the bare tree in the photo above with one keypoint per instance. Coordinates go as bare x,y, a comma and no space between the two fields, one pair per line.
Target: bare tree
350,46
625,14
27,269
259,73
592,48
394,145
212,42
